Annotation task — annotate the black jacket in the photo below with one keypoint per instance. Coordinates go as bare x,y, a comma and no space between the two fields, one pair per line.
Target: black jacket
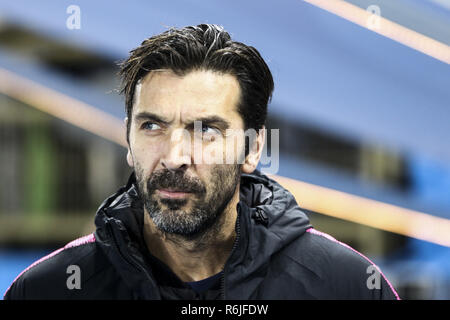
277,255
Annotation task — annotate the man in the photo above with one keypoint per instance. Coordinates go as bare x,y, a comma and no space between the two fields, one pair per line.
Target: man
186,228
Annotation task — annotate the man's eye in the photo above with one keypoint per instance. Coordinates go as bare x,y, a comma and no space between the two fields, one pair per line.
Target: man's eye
150,126
210,133
209,130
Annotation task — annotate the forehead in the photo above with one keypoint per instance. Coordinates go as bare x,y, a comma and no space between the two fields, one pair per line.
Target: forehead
197,94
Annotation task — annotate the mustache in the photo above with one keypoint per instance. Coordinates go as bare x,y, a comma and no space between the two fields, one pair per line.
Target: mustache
167,179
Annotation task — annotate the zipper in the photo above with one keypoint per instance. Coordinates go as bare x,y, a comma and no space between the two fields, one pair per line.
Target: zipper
238,235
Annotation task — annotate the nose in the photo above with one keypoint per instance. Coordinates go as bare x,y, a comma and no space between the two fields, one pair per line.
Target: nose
177,151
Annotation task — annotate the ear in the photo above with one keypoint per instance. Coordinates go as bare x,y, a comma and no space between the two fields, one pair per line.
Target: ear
252,159
130,158
129,155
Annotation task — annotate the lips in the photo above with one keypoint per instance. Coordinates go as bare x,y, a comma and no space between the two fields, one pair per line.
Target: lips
173,194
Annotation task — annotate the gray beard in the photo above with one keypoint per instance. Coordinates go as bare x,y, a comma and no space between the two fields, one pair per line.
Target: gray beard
205,217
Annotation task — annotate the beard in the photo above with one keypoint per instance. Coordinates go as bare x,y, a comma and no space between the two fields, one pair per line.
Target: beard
208,201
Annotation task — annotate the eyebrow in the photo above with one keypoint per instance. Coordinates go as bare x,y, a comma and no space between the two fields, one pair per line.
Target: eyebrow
141,116
212,120
209,120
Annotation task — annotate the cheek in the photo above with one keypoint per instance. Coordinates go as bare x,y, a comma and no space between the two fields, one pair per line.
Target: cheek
146,158
234,149
215,177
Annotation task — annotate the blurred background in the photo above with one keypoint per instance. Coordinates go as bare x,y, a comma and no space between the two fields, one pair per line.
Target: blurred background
361,110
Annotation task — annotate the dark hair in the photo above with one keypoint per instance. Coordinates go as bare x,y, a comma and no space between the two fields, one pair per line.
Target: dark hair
207,47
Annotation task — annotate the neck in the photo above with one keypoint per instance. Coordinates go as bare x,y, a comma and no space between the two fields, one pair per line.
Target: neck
199,258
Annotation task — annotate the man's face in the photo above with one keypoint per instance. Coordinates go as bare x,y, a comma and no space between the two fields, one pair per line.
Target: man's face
183,195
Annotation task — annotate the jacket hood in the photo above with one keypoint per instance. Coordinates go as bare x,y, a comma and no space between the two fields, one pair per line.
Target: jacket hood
269,219
276,218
